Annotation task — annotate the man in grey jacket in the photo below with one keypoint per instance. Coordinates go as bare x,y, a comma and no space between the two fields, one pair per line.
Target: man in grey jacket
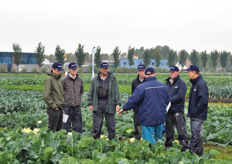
73,90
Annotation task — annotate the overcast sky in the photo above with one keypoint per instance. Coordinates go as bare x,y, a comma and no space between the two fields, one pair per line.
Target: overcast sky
180,24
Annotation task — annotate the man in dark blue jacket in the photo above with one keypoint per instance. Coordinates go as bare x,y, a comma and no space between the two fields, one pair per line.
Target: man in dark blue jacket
175,116
152,98
198,108
135,83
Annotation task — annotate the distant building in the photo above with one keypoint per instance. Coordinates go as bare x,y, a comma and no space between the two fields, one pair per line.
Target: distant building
28,60
125,63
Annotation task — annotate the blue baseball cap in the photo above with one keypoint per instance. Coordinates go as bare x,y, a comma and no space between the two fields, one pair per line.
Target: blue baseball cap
104,65
72,65
141,67
149,71
193,68
57,66
174,69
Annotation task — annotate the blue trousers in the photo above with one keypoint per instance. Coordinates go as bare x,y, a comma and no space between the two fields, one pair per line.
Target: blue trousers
152,133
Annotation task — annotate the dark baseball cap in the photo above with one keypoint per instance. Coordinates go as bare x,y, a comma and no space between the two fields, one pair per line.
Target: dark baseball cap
57,66
104,65
149,71
193,68
174,69
141,67
72,65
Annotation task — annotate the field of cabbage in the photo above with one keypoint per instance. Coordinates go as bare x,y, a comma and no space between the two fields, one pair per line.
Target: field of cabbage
25,138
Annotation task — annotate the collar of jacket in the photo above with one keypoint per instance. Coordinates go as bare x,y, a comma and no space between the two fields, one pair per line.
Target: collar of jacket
109,75
150,78
194,81
139,79
72,78
177,78
54,75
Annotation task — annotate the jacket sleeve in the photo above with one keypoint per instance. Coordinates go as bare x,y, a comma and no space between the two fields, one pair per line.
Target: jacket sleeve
90,94
117,96
48,94
203,97
180,95
63,82
133,87
134,100
82,87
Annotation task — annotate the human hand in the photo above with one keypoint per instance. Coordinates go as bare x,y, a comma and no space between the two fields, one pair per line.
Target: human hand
120,112
91,107
56,108
117,108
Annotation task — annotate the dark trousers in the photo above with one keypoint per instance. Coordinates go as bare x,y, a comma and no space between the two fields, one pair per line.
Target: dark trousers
196,142
137,126
74,119
55,119
176,120
98,117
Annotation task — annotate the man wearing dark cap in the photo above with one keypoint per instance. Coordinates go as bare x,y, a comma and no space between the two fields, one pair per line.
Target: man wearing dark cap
152,98
175,115
73,90
54,97
197,109
135,83
104,100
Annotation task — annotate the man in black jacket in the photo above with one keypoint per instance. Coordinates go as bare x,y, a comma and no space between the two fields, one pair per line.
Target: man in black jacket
135,83
175,116
197,109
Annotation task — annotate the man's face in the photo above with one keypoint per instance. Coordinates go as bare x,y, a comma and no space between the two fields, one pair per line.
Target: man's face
141,73
104,71
73,72
173,75
56,71
191,74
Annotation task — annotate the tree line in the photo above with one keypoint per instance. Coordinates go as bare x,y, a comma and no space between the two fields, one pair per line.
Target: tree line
213,61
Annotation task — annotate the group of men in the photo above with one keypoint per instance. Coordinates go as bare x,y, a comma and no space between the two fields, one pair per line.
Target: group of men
153,103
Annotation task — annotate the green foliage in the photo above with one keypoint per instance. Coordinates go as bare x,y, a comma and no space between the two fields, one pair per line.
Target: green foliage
97,58
204,58
2,69
34,70
24,69
17,53
80,55
214,56
147,57
116,54
172,58
183,56
224,58
194,57
130,56
44,70
59,54
39,54
157,57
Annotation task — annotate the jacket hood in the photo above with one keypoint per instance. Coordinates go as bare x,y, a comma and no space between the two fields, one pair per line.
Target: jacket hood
54,75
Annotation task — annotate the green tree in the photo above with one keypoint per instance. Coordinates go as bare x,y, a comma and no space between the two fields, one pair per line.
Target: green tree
157,57
172,58
193,57
214,57
130,56
59,54
204,59
39,54
17,54
97,58
147,57
183,56
224,58
80,55
116,54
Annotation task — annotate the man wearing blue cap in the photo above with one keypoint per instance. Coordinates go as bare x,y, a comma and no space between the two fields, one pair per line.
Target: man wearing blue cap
104,100
73,90
135,83
175,115
54,97
197,109
152,98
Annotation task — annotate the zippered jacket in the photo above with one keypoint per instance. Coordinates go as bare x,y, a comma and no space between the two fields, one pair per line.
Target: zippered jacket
53,92
152,98
135,83
198,99
177,91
